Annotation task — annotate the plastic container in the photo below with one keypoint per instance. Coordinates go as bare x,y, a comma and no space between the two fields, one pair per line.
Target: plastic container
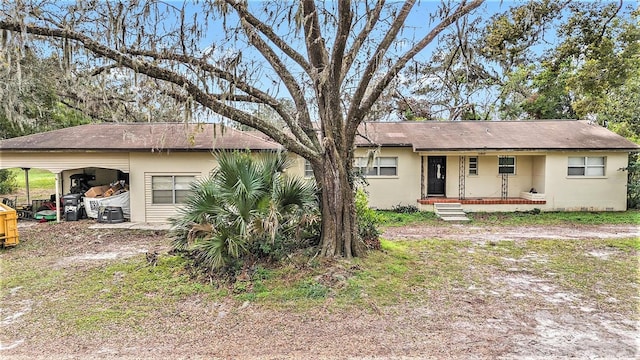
8,226
110,215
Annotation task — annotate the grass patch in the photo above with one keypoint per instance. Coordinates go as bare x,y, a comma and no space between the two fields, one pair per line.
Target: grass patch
407,271
32,279
39,179
126,293
391,218
557,218
416,271
131,294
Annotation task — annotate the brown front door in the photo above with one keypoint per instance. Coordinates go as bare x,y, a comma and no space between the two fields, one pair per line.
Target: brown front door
436,170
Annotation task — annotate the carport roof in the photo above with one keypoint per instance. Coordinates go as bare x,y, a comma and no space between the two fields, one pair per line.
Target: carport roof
494,135
142,137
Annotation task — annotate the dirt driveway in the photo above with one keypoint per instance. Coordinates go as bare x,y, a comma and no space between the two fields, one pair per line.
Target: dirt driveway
488,322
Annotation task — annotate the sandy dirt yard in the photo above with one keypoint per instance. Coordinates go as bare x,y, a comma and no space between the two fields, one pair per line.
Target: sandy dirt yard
518,315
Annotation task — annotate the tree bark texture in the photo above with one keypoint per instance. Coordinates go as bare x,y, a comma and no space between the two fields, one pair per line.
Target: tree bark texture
339,226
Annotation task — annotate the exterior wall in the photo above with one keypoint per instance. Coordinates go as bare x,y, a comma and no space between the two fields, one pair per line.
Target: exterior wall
584,193
546,172
145,165
402,189
488,182
539,174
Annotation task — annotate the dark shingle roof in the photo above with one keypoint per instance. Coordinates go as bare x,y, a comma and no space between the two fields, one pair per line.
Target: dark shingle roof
421,136
495,135
142,137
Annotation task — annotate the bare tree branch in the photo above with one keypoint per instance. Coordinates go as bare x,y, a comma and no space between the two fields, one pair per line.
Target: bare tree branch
355,112
382,83
342,35
372,19
292,85
157,72
244,13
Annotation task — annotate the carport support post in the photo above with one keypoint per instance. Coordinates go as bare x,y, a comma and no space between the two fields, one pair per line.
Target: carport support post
26,181
57,197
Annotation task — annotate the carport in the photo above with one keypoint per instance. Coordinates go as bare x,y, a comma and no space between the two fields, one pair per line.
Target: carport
63,164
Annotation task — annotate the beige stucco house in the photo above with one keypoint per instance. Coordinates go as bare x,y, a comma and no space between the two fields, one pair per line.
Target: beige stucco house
500,165
485,166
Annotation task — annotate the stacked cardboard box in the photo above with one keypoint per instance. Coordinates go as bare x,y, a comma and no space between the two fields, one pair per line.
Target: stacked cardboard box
115,188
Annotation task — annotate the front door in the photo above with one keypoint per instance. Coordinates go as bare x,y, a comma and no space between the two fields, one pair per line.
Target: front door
436,171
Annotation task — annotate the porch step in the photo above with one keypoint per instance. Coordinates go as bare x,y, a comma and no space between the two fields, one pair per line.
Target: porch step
450,212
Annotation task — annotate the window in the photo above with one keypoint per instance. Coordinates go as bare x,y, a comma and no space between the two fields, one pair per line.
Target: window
506,165
170,189
473,165
308,171
382,166
586,166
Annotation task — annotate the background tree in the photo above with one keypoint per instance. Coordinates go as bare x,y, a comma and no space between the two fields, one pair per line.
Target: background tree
332,59
480,69
537,60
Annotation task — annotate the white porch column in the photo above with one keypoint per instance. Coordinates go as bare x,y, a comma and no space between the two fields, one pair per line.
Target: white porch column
58,197
26,182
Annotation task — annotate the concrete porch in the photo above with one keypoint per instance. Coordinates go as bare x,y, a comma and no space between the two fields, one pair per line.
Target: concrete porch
482,201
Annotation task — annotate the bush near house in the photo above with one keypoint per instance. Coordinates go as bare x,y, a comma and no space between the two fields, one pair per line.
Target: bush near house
246,210
368,221
8,182
633,186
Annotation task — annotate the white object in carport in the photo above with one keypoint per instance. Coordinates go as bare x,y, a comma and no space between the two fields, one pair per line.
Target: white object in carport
93,205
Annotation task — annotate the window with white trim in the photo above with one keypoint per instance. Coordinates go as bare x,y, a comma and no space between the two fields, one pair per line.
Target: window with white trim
507,165
473,165
170,189
308,170
586,166
382,166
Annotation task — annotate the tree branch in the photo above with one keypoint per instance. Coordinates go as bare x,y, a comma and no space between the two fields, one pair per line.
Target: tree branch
255,95
313,38
156,72
382,83
292,85
354,112
244,13
372,19
342,35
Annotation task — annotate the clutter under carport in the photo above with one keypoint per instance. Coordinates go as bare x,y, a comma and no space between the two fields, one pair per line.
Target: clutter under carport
109,203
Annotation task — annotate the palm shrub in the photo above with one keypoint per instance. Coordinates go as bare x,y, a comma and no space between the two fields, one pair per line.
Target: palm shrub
247,208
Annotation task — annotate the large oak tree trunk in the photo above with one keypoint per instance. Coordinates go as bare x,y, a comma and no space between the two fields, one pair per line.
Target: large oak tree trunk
339,227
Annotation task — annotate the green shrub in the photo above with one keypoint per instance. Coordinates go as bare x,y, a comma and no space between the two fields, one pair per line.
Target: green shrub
405,209
368,221
247,209
633,186
8,182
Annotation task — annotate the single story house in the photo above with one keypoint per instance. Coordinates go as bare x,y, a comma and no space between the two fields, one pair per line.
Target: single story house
552,165
486,166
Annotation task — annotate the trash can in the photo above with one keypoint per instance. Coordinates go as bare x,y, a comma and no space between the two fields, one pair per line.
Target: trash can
73,207
110,215
8,226
71,199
